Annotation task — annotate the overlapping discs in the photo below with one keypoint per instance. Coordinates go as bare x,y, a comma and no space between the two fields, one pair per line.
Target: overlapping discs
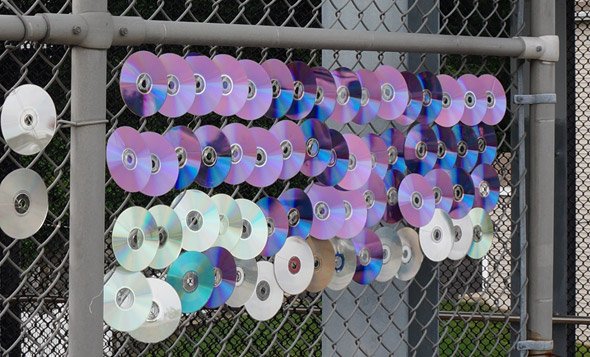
325,99
323,264
199,218
269,159
299,211
169,234
345,263
304,90
453,102
164,165
143,83
127,299
293,148
467,147
475,99
188,154
208,89
442,188
318,146
483,233
392,180
243,152
436,238
495,99
128,159
392,253
379,153
254,231
267,299
369,256
394,92
230,217
414,103
234,85
246,276
180,88
487,143
282,84
294,266
375,199
416,200
224,276
277,224
328,211
259,91
446,154
486,184
370,96
463,193
412,256
395,141
24,202
338,164
431,97
355,214
420,149
348,95
192,276
463,229
28,119
164,315
215,156
135,238
359,164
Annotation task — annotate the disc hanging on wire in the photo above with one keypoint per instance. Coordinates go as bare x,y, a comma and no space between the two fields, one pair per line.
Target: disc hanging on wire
243,152
180,88
475,99
359,164
135,238
467,147
199,218
416,200
431,97
412,256
277,224
495,99
414,103
446,154
463,237
282,84
143,83
453,102
224,276
188,154
294,266
127,299
395,141
375,199
369,256
234,85
299,211
246,276
463,193
345,263
304,90
318,147
208,89
254,231
169,234
436,238
487,143
192,276
394,92
392,252
442,187
215,156
348,95
269,159
230,217
323,264
164,165
259,91
392,180
339,158
379,153
325,99
328,211
267,299
355,213
370,96
483,233
128,159
486,184
420,149
293,148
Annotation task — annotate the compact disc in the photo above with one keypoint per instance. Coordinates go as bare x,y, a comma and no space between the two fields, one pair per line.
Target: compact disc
486,184
246,275
135,238
277,225
338,164
379,153
215,156
483,233
180,94
395,141
128,159
127,299
325,98
355,213
431,97
420,149
299,211
234,85
328,211
345,263
224,276
392,180
282,84
24,202
369,256
414,104
304,90
412,256
475,99
243,152
259,91
192,276
370,96
359,164
267,299
199,218
487,143
375,199
230,217
463,193
318,146
164,315
436,238
169,230
416,200
442,187
392,252
446,154
292,143
463,237
164,165
208,89
188,154
269,158
348,95
143,83
254,231
467,147
294,266
28,119
394,92
495,99
323,264
453,102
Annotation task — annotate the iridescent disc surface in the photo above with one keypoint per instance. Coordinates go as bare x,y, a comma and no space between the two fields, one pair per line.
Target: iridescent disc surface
442,188
192,276
246,276
436,238
345,263
230,217
215,156
475,99
392,180
325,99
420,149
338,164
370,96
243,152
392,252
269,158
277,225
414,103
487,187
348,95
355,214
375,199
254,231
463,229
318,147
293,148
208,89
487,143
127,299
282,84
267,299
359,164
416,200
299,211
164,165
199,218
294,266
395,141
431,97
495,99
128,159
463,193
224,276
328,211
446,154
483,233
143,83
304,90
379,153
135,238
259,91
467,147
369,256
324,264
394,92
412,256
453,102
181,85
188,154
234,84
169,236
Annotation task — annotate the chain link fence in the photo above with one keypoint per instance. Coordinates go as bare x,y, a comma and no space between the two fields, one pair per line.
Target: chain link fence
460,308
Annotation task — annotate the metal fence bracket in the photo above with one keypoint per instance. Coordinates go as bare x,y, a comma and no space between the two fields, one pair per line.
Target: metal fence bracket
531,345
542,98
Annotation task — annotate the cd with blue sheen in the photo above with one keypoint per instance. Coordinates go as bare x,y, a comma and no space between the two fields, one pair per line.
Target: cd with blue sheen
254,231
234,84
192,276
446,154
463,193
143,83
359,164
420,149
487,143
495,99
487,187
269,158
215,156
164,162
293,149
431,97
375,199
475,99
392,180
483,233
394,92
453,102
369,256
243,152
395,141
299,211
224,276
355,213
259,91
188,154
442,188
325,98
318,147
416,200
348,95
338,164
304,90
282,84
328,211
467,147
135,238
208,89
181,86
370,96
128,159
277,224
379,153
414,104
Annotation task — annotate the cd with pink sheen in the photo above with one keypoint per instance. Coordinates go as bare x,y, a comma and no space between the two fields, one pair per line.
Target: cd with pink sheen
453,102
188,154
446,154
495,99
338,164
143,83
392,180
328,211
463,193
442,188
416,200
395,141
325,98
269,159
348,95
420,149
355,213
431,97
475,99
282,84
487,143
318,147
164,162
359,164
370,96
277,224
299,211
243,152
234,84
259,91
487,187
369,256
208,89
375,199
467,147
292,144
181,86
128,159
414,103
379,153
394,92
304,90
215,156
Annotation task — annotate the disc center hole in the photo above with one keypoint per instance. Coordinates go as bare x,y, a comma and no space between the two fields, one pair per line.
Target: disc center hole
260,157
342,95
251,90
125,298
154,313
144,83
135,239
490,99
481,144
317,264
227,84
386,254
477,233
426,97
437,194
392,196
129,159
217,276
364,256
156,164
173,85
446,100
28,120
236,153
319,95
270,225
322,210
294,265
181,156
470,99
458,193
294,217
209,156
263,290
339,261
276,88
462,148
441,150
351,162
333,158
200,84
387,92
162,236
484,189
298,90
239,276
287,149
347,210
313,147
22,203
436,235
421,150
246,229
392,155
458,233
406,254
417,200
194,221
190,281
364,97
369,198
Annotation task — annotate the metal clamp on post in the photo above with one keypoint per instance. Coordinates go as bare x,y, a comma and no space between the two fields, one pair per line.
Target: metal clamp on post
531,345
541,98
542,48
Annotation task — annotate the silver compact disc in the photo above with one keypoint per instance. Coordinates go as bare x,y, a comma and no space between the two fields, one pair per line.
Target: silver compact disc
483,233
267,299
392,252
344,263
437,237
294,266
135,238
127,299
254,231
463,237
199,218
246,276
323,264
411,254
169,235
230,218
